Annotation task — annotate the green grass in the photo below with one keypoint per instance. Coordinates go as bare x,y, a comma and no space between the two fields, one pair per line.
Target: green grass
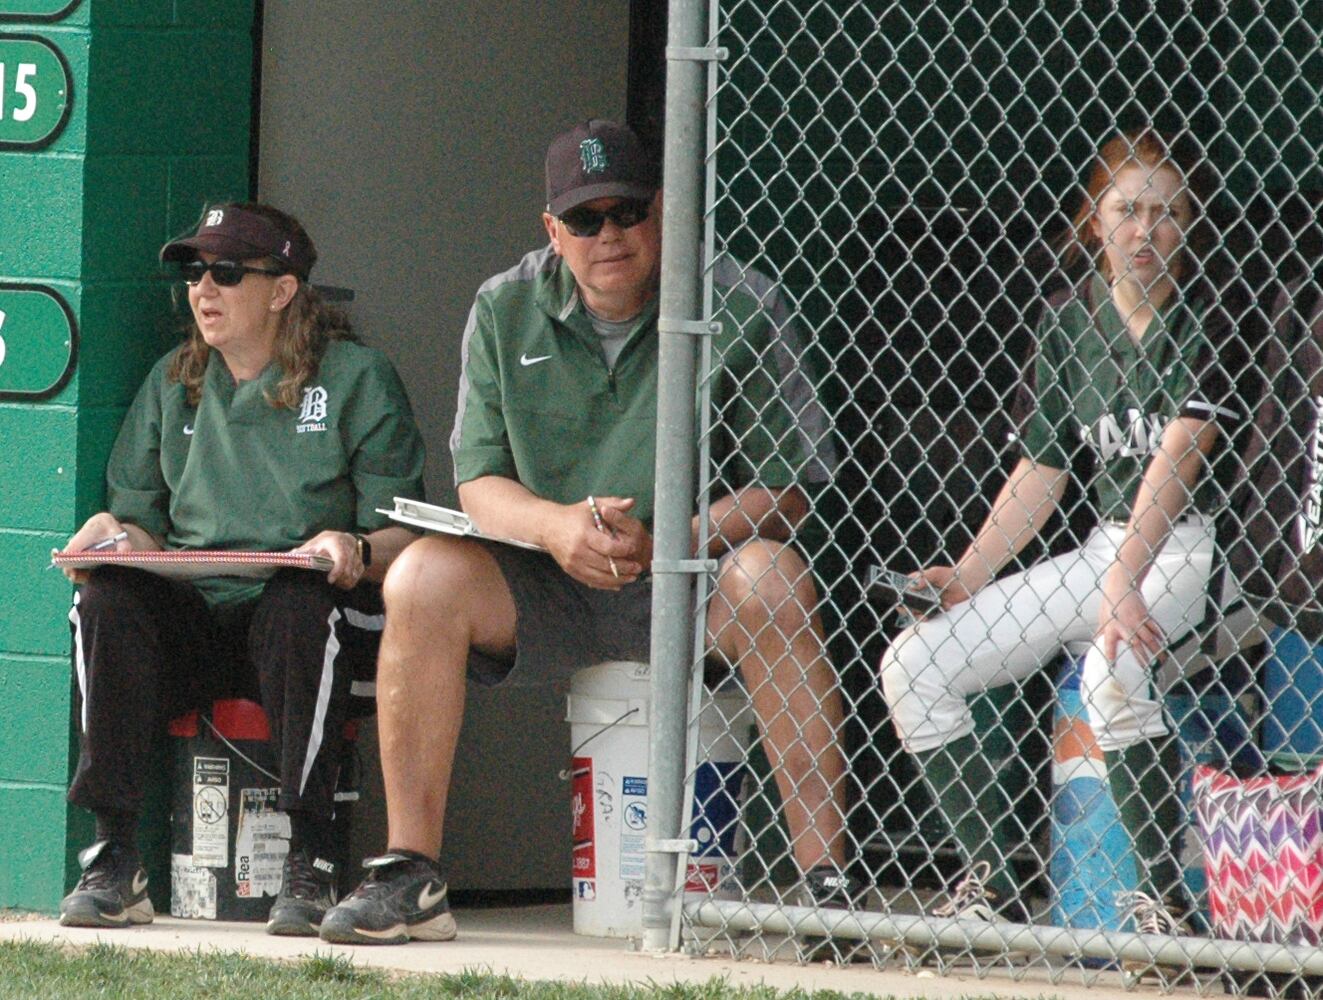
39,971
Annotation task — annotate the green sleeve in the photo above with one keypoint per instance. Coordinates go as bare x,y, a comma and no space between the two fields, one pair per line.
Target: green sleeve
1042,404
386,457
480,444
758,411
136,488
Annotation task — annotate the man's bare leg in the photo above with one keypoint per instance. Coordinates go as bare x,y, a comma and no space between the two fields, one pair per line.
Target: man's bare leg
443,596
763,617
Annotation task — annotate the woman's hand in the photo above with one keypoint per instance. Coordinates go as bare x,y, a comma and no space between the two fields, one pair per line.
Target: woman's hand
1124,620
97,528
342,549
946,581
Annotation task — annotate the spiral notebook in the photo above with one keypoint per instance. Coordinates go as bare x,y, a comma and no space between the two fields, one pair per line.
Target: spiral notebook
192,564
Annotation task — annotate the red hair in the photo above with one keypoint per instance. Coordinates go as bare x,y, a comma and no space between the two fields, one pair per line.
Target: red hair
1143,147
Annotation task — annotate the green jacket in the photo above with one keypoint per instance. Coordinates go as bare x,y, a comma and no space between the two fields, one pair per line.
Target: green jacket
1095,400
238,473
538,404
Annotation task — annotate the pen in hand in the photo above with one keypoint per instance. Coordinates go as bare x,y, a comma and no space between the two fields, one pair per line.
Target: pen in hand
597,520
107,543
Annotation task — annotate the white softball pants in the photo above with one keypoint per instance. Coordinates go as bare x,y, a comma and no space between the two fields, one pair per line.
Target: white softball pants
1016,625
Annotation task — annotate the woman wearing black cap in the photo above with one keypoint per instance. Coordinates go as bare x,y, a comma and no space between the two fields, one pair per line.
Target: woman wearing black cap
270,429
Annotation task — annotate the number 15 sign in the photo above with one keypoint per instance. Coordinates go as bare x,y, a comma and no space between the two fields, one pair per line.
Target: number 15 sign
35,92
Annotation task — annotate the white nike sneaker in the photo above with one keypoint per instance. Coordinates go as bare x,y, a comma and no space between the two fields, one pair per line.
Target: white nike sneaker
1150,916
402,898
970,899
111,892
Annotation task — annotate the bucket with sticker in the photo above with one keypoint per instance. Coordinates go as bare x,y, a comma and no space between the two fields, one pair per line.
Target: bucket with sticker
228,842
608,714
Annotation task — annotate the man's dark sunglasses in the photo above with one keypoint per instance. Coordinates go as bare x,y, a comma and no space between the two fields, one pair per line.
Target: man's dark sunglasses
584,221
226,273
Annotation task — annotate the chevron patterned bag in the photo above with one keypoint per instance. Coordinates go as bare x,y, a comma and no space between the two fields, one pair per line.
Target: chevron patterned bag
1263,847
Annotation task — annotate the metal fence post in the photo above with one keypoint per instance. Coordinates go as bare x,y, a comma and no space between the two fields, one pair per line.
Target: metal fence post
672,602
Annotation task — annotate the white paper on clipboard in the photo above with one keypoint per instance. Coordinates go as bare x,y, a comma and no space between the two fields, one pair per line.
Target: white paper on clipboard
430,517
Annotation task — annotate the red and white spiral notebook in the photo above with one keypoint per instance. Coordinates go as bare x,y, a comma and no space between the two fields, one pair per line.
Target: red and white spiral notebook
192,564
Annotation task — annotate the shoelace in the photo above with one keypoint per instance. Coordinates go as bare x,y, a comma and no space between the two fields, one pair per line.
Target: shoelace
301,882
102,873
968,891
1150,915
378,881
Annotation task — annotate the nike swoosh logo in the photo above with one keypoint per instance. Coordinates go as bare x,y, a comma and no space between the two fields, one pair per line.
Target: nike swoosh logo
188,429
431,895
139,882
525,360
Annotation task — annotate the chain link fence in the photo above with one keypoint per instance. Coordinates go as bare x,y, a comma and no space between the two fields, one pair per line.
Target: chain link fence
1004,335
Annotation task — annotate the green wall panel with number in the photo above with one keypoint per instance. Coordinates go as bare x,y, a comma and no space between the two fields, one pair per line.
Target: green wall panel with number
118,120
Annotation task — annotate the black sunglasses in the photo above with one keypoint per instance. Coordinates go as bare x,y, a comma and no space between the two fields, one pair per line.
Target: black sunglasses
226,273
584,221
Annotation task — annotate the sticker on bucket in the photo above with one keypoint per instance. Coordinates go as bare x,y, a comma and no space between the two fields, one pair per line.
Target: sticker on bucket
192,889
633,826
584,864
260,844
211,801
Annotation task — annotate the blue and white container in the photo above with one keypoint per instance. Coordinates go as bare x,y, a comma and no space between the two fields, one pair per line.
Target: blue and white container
1091,861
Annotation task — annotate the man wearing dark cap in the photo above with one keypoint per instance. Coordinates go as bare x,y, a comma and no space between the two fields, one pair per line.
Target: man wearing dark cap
269,429
556,428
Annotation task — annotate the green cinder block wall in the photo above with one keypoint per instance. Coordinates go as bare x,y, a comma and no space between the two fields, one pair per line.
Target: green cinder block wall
158,123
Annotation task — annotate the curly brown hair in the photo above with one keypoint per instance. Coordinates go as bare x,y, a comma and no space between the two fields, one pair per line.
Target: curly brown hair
307,325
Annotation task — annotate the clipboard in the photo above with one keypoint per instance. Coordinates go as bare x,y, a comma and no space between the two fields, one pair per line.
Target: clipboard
430,517
195,564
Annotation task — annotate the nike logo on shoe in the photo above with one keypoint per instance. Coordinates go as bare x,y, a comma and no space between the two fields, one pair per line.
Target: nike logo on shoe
525,360
431,895
139,881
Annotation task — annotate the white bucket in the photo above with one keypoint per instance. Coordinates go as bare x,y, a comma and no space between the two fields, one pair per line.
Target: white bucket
608,714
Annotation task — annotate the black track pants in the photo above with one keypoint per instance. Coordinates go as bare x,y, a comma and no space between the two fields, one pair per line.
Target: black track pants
146,649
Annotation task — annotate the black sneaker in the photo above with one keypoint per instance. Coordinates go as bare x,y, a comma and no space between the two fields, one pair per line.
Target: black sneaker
827,887
307,891
403,897
111,892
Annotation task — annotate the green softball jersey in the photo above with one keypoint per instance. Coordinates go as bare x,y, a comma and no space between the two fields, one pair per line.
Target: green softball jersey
539,404
1093,389
238,473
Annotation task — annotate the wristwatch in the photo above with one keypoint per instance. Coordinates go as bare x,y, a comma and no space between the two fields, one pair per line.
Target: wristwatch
364,549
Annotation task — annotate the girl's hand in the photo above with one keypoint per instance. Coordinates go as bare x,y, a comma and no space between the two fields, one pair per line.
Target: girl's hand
1124,620
946,581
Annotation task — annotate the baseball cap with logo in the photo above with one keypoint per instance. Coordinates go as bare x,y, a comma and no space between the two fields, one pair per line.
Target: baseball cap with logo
597,159
236,233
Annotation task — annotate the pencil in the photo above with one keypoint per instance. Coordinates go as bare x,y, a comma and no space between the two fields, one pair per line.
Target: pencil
107,543
597,520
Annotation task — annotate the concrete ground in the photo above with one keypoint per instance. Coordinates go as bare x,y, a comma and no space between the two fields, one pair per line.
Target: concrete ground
537,943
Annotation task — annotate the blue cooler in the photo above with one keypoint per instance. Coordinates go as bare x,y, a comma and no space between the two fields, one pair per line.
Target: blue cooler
1293,693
